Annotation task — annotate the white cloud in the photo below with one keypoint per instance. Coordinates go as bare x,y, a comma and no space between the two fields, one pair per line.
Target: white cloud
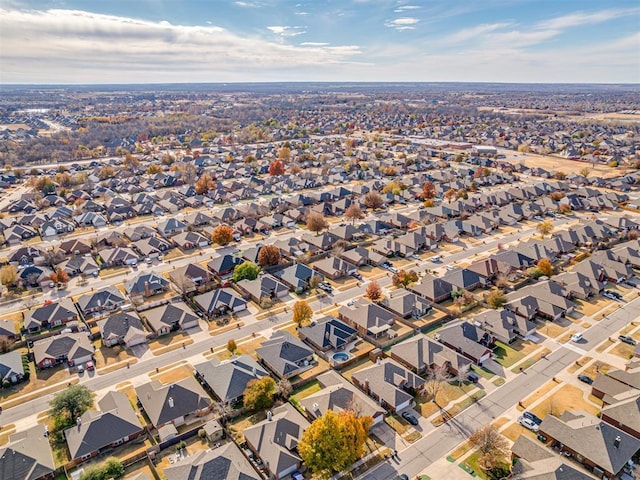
77,46
250,4
473,32
581,18
405,8
402,23
285,31
301,14
314,44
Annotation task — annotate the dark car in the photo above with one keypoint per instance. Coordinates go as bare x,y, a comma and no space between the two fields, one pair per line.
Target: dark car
534,418
409,417
627,339
585,379
402,476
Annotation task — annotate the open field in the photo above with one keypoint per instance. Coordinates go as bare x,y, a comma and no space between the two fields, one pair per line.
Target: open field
559,164
568,397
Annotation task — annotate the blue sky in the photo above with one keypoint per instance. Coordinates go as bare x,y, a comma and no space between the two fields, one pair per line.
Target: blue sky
139,41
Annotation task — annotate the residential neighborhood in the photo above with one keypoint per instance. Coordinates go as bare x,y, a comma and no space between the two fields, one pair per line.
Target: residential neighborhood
411,277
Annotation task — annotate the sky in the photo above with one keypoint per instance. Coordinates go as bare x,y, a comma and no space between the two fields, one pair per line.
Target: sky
184,41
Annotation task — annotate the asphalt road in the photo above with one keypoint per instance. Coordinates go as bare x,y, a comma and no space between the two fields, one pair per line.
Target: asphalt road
436,445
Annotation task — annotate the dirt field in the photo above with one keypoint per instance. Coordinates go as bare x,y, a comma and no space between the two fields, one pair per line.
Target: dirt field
558,164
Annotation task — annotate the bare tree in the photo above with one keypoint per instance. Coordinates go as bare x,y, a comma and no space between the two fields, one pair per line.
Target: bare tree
223,409
284,388
437,376
493,447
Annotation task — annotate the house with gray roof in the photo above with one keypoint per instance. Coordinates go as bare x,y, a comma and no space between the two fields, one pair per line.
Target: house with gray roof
170,317
124,328
389,383
469,340
146,284
190,276
328,334
335,267
265,286
50,315
406,304
27,456
72,348
362,256
11,367
599,446
112,424
275,440
224,265
420,354
433,288
107,298
285,355
505,325
536,462
220,301
175,403
228,380
297,276
223,463
338,394
546,299
624,414
370,319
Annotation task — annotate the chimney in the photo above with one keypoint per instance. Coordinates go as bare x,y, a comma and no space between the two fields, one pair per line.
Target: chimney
170,402
79,422
147,292
366,385
254,372
316,408
269,415
616,442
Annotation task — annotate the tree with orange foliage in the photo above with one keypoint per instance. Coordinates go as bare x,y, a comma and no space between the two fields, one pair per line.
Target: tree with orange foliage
428,191
316,222
545,266
353,213
59,276
276,168
222,235
374,291
269,255
204,184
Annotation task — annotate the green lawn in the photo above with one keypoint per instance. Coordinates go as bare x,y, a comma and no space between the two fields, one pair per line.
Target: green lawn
483,372
472,463
304,391
505,355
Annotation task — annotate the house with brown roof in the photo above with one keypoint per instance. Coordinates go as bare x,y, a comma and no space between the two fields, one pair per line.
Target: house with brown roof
624,414
370,319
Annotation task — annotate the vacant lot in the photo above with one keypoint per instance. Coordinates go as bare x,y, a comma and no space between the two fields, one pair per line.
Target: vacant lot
169,342
173,375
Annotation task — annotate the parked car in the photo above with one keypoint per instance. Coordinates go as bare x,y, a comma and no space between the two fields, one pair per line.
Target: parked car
450,267
576,337
402,476
534,418
436,259
393,269
409,417
585,379
473,377
90,366
80,369
612,295
627,339
326,287
527,423
356,275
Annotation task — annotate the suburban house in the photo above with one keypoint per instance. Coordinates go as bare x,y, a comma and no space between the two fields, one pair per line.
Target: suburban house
275,440
189,240
285,355
223,266
8,330
334,267
432,288
11,367
114,257
112,424
297,276
107,299
124,328
264,287
27,456
362,256
228,380
420,354
389,383
220,301
146,284
546,299
189,277
624,414
223,463
537,462
339,394
505,325
50,315
328,334
599,446
467,339
175,404
368,318
80,266
72,348
171,226
169,318
406,304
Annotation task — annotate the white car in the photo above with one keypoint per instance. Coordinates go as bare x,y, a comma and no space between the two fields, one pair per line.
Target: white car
527,423
576,337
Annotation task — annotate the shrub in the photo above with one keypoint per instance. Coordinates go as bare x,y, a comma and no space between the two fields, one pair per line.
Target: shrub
202,434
